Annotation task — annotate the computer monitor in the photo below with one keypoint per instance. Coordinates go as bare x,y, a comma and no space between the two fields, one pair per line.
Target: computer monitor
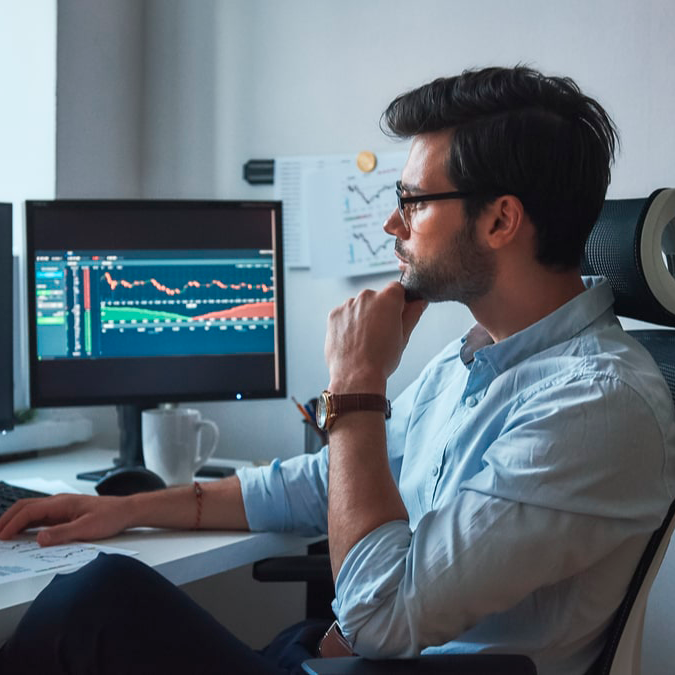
143,302
6,320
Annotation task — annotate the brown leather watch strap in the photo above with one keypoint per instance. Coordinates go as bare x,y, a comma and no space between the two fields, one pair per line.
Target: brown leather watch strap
343,403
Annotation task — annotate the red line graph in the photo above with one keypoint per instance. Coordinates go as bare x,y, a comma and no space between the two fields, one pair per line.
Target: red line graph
114,283
252,310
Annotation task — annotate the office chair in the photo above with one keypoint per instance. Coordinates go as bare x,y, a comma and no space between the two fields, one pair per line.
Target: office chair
633,245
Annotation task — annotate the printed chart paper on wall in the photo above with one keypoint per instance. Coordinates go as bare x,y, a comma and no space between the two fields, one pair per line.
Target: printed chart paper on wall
336,213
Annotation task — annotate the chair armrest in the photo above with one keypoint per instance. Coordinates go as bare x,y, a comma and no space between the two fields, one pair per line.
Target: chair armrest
315,567
433,664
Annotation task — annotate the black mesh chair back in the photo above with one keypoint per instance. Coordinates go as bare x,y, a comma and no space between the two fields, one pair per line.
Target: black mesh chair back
633,245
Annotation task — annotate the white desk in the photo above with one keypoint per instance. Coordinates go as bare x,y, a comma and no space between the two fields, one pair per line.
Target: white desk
180,556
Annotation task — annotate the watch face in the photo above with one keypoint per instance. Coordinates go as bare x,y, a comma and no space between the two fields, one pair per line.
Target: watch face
322,411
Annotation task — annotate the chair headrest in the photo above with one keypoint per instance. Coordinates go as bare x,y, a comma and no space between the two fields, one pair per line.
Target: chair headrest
633,245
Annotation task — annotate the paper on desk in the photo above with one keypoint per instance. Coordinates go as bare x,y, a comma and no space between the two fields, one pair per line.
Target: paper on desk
21,558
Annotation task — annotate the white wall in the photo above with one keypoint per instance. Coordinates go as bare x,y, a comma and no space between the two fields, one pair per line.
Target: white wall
100,98
28,109
27,124
170,98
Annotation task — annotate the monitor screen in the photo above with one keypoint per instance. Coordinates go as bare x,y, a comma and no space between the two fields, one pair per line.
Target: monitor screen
144,302
6,322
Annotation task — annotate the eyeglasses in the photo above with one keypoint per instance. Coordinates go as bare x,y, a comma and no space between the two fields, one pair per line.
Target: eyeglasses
404,201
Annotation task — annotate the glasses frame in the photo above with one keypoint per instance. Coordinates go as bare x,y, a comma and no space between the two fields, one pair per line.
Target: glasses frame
416,199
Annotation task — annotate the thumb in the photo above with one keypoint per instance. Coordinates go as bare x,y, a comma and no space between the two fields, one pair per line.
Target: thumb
412,313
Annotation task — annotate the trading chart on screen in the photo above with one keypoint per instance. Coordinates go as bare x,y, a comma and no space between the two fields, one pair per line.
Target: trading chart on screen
154,303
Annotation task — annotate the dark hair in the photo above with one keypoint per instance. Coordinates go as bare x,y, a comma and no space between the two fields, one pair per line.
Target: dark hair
519,132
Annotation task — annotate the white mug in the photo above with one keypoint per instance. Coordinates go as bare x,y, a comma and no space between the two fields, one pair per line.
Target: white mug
173,443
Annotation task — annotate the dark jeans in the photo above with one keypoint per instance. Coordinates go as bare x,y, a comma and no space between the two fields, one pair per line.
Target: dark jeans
118,616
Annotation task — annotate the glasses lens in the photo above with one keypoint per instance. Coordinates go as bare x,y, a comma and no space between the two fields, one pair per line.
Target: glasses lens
403,212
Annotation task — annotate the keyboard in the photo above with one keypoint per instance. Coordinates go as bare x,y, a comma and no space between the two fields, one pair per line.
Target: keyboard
12,493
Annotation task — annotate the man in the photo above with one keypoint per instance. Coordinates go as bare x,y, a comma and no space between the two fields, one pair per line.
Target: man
506,502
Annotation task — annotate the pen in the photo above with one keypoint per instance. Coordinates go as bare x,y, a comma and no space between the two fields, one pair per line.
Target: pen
303,411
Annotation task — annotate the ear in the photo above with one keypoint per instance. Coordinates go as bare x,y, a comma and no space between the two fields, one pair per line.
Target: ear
502,221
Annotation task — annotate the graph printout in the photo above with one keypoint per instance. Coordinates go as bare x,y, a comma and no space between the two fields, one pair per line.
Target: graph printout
290,188
22,558
346,210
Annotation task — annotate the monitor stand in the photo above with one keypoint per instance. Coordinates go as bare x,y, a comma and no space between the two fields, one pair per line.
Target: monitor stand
131,441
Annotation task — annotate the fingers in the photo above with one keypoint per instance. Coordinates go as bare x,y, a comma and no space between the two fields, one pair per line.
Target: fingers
366,336
21,516
67,514
411,312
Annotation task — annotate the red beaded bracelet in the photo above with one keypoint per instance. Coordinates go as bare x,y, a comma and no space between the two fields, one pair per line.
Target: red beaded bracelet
199,495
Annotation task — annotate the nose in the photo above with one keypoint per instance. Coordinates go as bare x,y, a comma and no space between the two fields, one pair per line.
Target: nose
394,225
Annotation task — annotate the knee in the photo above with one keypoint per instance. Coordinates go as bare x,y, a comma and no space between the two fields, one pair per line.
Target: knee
109,580
112,565
105,571
107,583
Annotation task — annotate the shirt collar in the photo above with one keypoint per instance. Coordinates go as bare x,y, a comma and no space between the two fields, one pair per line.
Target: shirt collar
558,326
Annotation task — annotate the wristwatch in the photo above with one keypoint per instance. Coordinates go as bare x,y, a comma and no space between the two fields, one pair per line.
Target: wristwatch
330,406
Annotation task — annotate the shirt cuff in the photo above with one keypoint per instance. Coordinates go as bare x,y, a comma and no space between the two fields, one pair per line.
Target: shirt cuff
261,486
369,578
288,496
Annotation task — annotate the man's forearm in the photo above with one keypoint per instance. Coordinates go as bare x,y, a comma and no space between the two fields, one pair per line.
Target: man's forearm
362,494
65,517
365,338
222,507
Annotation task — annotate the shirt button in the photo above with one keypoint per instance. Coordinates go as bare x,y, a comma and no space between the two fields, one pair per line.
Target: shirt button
471,401
434,471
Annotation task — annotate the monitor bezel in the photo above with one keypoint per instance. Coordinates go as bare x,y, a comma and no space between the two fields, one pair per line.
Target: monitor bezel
7,329
151,398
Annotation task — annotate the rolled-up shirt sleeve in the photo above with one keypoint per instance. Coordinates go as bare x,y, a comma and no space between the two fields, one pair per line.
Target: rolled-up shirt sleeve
288,496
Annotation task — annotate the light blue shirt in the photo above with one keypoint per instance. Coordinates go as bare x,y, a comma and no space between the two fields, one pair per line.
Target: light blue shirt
533,471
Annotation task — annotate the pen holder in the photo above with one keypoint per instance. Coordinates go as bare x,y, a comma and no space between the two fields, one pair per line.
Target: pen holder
314,439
